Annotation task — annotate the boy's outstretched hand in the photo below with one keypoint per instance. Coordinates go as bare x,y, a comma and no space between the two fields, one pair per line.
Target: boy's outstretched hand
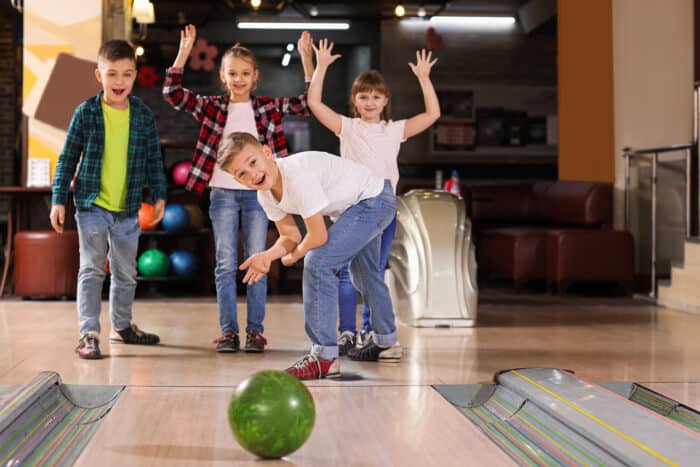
423,63
57,217
158,212
258,265
305,45
323,53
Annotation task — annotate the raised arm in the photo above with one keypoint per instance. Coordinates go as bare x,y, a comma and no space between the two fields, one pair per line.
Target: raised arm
327,116
422,121
298,105
174,93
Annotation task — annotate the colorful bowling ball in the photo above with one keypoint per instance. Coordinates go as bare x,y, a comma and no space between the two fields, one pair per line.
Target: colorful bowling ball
176,218
180,172
183,263
197,219
146,215
153,262
271,414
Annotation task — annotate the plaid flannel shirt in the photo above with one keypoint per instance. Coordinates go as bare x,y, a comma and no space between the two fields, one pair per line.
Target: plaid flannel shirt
212,111
86,137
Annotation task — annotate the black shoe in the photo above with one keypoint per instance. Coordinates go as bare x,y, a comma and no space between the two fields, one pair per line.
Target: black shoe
255,342
228,342
371,352
89,347
346,341
133,335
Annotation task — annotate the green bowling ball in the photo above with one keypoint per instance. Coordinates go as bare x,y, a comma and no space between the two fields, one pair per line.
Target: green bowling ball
153,262
271,414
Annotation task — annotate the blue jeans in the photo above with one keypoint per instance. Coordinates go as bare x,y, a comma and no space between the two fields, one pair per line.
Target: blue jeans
354,238
227,209
347,294
99,232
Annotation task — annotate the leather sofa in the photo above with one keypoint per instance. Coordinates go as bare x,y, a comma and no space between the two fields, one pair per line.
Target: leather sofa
559,232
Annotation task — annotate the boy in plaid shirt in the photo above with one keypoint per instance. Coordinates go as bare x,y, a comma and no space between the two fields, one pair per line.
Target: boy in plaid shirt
113,142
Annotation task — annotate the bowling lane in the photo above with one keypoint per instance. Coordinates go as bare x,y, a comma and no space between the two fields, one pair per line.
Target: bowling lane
355,426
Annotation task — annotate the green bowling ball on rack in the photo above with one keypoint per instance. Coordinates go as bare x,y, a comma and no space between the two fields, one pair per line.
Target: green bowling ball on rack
153,263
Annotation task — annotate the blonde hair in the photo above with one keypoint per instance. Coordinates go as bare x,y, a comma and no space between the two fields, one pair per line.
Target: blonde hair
232,145
368,81
238,51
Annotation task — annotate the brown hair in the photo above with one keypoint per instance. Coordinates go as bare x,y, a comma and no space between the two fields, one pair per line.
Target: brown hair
367,81
116,49
238,51
232,145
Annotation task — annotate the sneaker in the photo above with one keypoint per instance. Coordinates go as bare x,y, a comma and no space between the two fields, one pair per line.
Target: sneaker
89,347
363,337
255,342
312,367
227,342
371,352
133,335
346,341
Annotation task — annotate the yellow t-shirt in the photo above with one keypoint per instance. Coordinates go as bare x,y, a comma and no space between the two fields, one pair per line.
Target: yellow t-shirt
114,160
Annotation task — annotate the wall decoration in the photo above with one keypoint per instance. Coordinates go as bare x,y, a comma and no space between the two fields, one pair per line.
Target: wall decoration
148,76
60,46
203,55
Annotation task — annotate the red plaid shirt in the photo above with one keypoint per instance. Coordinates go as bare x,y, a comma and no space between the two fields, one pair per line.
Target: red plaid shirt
212,111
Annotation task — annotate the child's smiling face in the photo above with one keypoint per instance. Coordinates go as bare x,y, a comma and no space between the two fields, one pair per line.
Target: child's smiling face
240,76
370,105
117,78
253,166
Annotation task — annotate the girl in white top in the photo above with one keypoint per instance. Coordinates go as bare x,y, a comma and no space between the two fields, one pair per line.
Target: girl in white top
372,140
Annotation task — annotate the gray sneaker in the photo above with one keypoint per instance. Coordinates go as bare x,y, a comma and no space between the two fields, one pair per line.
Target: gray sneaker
346,341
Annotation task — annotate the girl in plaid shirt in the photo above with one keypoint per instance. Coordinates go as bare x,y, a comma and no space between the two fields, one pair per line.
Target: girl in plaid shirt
230,201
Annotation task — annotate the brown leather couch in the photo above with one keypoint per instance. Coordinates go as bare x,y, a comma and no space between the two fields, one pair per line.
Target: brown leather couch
559,232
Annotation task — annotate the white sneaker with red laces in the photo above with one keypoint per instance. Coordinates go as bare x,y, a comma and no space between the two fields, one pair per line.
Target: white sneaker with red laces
313,367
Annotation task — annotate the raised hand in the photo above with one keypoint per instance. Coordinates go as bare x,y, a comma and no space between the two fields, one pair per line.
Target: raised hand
423,64
305,45
187,38
324,52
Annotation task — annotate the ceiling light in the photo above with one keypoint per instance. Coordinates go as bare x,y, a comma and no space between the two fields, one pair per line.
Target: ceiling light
399,10
255,3
139,51
475,21
313,11
285,59
295,25
290,47
421,11
142,11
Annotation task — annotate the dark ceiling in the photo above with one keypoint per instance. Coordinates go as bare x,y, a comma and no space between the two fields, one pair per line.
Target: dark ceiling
174,13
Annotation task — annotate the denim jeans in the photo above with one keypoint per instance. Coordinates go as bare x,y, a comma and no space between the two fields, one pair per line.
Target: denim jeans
99,232
347,294
354,238
227,209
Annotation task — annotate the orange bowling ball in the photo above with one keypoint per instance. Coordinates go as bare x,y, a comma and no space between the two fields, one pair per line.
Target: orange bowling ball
146,215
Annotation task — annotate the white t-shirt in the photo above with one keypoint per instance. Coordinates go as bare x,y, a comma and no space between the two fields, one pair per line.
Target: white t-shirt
240,118
375,145
314,181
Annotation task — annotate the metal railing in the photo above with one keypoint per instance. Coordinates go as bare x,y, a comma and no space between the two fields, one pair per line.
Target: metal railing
653,154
